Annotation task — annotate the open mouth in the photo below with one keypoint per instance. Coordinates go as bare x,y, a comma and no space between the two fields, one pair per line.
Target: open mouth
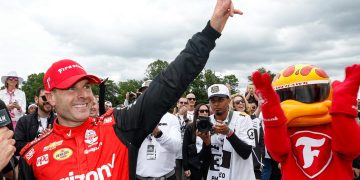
81,107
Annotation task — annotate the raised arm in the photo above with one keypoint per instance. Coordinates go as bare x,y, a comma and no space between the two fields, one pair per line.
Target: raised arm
346,131
223,10
144,114
276,139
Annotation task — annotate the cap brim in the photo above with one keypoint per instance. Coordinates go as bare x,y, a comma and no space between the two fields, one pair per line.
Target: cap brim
74,79
218,95
3,79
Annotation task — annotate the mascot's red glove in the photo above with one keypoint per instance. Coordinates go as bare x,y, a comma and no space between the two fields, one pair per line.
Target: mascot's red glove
272,112
345,93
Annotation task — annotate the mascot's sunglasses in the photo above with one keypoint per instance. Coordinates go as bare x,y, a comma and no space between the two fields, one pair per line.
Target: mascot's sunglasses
305,94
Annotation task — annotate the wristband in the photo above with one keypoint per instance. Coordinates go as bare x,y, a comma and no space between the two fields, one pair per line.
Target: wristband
159,134
230,133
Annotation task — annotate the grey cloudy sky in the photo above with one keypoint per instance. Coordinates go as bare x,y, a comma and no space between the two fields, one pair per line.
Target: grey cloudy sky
120,38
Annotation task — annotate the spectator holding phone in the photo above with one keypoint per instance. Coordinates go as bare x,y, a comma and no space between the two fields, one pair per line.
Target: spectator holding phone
13,97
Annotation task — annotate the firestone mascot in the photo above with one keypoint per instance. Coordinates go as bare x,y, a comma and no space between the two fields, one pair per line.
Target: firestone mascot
310,125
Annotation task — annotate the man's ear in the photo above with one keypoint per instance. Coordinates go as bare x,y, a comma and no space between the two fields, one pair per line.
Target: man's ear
50,97
228,100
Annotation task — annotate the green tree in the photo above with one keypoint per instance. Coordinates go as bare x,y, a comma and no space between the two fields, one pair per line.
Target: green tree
34,81
232,81
155,68
198,87
207,78
263,70
127,86
112,93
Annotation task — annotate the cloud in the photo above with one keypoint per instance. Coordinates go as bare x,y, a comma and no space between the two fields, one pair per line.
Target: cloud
119,39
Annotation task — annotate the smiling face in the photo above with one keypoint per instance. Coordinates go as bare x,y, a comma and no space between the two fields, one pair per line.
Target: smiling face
239,104
12,82
73,104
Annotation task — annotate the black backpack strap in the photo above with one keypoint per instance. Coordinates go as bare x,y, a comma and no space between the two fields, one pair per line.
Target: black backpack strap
230,116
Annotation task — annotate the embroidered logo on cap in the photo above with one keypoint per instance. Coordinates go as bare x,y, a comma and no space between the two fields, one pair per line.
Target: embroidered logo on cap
48,82
215,89
63,69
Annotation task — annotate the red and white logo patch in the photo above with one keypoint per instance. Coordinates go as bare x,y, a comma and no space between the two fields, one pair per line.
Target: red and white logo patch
312,152
42,160
30,154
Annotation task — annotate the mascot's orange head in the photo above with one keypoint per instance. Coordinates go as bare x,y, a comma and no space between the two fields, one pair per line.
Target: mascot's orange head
305,95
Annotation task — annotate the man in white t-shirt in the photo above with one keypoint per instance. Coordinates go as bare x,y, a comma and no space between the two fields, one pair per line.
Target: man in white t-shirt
191,106
182,106
232,141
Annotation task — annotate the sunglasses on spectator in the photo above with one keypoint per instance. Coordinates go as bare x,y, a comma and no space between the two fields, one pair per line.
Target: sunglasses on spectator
43,98
13,79
191,99
183,102
203,110
239,101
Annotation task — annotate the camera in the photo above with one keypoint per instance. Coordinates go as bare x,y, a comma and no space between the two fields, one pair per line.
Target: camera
203,124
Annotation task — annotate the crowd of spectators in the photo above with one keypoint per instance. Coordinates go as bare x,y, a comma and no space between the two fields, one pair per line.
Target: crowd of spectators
176,147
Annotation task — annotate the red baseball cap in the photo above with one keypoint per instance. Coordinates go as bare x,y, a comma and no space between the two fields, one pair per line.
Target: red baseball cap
65,73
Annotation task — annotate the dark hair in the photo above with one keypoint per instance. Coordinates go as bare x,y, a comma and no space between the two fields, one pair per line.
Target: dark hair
6,84
196,115
38,91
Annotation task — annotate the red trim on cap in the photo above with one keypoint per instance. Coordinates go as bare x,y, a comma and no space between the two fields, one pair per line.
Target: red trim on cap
74,79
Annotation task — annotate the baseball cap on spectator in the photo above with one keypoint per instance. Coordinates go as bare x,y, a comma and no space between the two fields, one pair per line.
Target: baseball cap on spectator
218,90
32,105
144,85
65,73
